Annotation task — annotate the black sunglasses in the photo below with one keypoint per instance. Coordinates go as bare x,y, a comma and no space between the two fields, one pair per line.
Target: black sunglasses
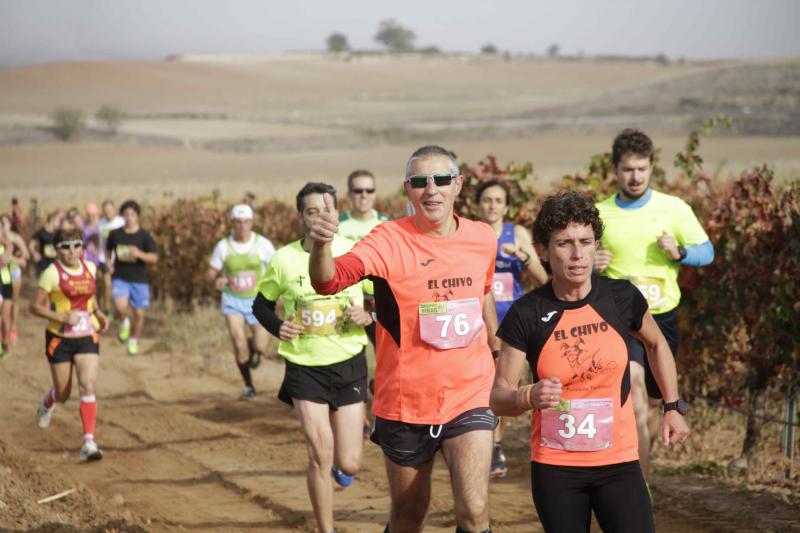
67,245
362,191
440,180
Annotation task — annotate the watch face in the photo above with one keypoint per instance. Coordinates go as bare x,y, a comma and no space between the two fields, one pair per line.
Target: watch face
682,407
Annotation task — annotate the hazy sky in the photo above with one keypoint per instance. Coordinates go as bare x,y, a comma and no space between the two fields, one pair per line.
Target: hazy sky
36,31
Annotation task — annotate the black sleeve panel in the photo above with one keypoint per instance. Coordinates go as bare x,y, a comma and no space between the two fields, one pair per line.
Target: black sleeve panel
630,303
264,311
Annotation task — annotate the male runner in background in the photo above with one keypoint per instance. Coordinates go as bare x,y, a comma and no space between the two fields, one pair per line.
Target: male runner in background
133,248
322,339
237,266
648,236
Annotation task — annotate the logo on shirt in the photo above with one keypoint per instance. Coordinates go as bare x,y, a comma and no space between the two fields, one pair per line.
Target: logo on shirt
426,262
583,364
300,279
549,316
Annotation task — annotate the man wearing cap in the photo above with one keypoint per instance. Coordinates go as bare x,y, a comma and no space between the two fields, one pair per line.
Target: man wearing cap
237,265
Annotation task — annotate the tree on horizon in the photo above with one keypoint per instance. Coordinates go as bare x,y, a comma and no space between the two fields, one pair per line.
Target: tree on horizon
337,42
395,37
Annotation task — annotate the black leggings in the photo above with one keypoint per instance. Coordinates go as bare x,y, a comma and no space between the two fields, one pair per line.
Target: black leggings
565,497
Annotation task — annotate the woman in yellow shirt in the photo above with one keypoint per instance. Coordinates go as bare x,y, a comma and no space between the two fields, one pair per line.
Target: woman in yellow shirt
66,296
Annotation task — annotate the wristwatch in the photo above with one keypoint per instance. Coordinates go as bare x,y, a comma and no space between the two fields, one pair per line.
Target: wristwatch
682,253
679,405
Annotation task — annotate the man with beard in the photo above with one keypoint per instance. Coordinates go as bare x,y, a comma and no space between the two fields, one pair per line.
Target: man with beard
648,236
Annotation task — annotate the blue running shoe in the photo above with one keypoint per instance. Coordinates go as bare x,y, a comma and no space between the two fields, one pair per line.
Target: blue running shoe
341,479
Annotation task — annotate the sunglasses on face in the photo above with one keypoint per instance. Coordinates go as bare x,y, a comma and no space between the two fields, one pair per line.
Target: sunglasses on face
362,191
440,180
69,245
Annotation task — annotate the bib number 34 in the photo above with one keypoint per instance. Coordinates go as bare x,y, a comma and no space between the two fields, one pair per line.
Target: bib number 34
581,426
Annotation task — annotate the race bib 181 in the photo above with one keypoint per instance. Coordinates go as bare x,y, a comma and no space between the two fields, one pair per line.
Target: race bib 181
243,281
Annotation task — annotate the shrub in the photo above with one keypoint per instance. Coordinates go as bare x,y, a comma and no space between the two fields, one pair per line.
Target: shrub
111,117
68,123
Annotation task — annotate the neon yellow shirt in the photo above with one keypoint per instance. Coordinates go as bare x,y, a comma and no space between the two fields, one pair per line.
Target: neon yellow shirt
355,230
631,235
328,338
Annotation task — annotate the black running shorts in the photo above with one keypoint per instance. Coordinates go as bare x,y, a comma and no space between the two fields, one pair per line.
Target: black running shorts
416,444
668,324
565,497
63,349
337,384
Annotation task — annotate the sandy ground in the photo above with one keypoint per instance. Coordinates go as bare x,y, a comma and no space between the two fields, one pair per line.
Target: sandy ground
182,453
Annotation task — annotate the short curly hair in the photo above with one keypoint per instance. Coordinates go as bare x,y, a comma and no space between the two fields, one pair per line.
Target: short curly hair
563,208
632,141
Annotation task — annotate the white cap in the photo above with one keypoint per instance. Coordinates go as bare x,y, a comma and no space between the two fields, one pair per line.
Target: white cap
241,211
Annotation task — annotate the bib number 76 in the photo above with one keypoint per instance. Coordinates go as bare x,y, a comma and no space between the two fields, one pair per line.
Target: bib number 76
460,324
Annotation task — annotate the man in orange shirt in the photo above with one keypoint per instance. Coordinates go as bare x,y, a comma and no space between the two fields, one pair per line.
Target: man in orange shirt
436,322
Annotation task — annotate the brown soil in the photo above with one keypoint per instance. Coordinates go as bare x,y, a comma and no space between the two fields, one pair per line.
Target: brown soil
182,453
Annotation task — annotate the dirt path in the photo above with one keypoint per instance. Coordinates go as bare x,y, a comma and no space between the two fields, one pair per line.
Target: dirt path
182,453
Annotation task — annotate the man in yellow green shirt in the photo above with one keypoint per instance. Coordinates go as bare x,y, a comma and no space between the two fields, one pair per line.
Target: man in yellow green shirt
322,339
648,236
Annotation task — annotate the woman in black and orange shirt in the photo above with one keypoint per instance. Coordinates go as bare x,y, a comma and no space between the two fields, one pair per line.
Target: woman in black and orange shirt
66,296
584,454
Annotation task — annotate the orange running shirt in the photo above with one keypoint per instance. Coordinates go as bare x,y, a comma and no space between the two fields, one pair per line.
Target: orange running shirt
416,382
584,344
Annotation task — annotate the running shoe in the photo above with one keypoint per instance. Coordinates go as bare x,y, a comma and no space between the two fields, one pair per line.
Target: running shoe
90,451
2,352
499,467
124,330
247,393
341,479
43,415
133,347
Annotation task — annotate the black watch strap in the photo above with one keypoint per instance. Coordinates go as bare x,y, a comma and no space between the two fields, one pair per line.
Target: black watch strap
678,405
682,253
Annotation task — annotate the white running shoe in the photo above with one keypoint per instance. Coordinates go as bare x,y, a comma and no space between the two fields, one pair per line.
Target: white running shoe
90,451
43,415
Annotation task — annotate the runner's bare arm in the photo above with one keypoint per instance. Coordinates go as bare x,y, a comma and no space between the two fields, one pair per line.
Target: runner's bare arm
509,400
490,319
33,246
101,317
213,277
320,265
662,363
151,258
524,242
40,306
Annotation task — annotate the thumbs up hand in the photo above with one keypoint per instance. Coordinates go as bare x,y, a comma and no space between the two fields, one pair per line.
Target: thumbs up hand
326,224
